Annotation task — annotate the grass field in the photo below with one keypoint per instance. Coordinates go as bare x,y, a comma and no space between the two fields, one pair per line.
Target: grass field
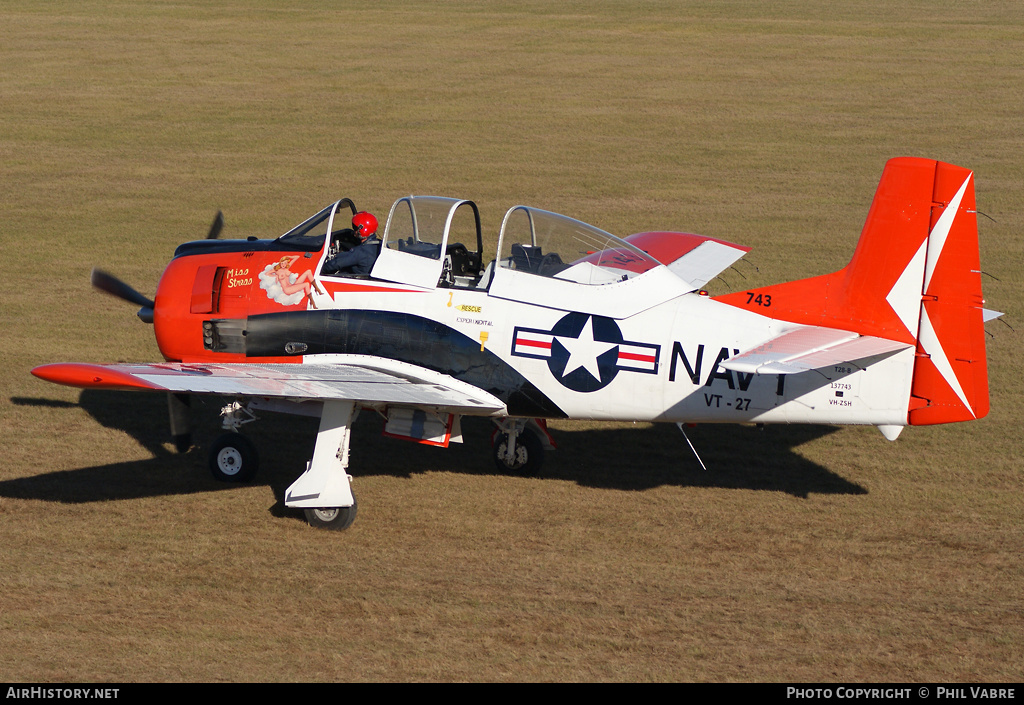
804,554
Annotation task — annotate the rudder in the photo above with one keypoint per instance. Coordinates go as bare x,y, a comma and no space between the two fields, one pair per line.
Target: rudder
950,371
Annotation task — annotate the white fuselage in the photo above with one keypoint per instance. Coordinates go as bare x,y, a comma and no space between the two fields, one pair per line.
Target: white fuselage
656,363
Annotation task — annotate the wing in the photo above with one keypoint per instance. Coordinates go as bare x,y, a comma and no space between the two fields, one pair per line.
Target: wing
368,380
693,258
809,348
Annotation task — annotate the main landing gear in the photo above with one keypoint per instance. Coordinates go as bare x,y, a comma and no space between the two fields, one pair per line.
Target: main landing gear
336,518
518,446
233,458
323,491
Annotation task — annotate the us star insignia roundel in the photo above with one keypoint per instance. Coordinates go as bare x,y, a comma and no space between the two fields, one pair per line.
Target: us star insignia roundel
585,352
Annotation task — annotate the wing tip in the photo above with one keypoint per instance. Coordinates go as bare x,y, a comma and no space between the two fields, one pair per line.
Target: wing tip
86,375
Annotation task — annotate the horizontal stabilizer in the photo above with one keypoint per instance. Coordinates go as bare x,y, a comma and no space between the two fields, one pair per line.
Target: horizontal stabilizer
990,315
810,348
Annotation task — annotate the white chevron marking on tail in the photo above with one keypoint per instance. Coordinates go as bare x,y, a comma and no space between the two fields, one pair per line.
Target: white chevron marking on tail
905,295
938,235
930,342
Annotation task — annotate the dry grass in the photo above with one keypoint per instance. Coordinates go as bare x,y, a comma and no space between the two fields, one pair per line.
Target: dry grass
806,554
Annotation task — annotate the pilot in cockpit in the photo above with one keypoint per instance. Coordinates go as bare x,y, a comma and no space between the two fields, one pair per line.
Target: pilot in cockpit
361,258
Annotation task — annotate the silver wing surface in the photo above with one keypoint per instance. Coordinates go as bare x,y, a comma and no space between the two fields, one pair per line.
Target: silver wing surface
371,381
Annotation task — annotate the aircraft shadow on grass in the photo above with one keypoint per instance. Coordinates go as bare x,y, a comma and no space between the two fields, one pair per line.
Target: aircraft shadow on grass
737,457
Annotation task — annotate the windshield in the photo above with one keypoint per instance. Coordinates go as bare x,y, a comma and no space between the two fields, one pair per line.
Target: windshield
317,225
552,245
311,233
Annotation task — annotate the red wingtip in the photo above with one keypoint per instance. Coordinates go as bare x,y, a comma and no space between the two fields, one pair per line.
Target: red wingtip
79,374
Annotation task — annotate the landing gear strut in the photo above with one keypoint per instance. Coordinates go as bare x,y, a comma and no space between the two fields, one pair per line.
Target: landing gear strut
517,448
324,491
233,457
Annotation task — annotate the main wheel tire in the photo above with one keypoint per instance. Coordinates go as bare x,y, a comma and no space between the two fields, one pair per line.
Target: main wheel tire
233,458
528,456
333,518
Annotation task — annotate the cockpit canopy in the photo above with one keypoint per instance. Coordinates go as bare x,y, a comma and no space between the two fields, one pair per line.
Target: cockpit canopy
552,245
543,257
425,243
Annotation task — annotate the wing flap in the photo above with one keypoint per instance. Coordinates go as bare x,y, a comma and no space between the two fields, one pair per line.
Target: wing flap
810,348
293,381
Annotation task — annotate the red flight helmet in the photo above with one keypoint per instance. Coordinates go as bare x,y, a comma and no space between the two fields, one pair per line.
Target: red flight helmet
364,224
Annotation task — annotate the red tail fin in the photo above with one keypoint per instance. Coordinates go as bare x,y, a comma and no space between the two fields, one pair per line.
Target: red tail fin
914,277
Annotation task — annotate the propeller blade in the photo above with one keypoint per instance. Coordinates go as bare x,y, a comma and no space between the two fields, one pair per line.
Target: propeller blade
115,287
218,225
